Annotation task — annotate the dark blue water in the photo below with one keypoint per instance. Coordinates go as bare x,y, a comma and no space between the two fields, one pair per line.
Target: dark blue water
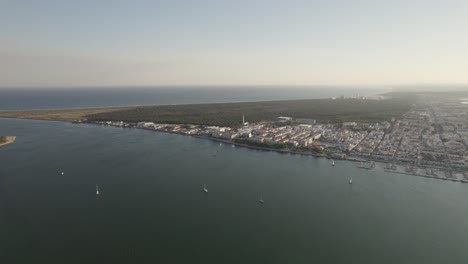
151,208
43,98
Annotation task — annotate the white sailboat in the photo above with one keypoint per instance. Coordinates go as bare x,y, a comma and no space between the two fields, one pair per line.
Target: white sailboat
333,163
350,180
205,190
63,173
97,190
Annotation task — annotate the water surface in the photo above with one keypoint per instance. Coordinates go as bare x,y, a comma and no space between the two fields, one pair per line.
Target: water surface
48,98
151,208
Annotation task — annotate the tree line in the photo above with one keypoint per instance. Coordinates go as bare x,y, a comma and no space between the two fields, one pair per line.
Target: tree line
230,114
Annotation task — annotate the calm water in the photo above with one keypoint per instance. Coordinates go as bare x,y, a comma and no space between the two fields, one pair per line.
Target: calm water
40,98
152,210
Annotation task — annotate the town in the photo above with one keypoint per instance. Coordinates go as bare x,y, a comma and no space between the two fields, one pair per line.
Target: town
430,140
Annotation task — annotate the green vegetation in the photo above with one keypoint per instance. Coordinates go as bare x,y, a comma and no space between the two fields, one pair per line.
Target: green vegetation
319,150
230,114
59,114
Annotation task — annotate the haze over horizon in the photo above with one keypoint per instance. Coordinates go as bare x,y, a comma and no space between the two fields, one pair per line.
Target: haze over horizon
227,43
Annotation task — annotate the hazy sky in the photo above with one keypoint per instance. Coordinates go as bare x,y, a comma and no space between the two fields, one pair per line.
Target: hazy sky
197,42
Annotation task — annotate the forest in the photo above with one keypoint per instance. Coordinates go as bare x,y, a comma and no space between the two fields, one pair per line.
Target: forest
230,114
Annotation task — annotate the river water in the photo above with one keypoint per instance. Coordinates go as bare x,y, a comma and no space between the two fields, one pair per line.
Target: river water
151,207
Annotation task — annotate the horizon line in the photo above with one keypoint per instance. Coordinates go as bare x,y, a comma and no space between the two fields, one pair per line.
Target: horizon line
234,85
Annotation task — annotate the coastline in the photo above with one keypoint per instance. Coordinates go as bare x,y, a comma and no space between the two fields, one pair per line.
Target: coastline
282,151
317,155
67,114
9,140
324,110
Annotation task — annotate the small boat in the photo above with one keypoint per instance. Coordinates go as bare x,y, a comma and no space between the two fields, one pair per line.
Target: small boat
350,180
97,190
205,190
214,154
63,173
260,200
233,146
220,144
333,163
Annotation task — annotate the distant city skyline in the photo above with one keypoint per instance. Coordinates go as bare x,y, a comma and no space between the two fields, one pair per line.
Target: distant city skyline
228,43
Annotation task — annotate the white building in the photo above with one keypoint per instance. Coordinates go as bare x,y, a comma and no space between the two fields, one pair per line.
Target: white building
145,124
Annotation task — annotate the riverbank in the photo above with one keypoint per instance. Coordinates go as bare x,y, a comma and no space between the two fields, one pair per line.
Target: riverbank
233,143
318,155
7,140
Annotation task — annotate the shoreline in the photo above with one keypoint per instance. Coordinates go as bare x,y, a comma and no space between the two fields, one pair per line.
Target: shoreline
9,140
287,151
427,176
225,141
316,155
66,114
221,114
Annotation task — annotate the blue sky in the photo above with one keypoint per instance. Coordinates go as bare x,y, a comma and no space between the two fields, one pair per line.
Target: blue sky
348,42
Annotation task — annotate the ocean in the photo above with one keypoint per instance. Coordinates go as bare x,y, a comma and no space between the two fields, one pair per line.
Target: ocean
48,98
151,208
